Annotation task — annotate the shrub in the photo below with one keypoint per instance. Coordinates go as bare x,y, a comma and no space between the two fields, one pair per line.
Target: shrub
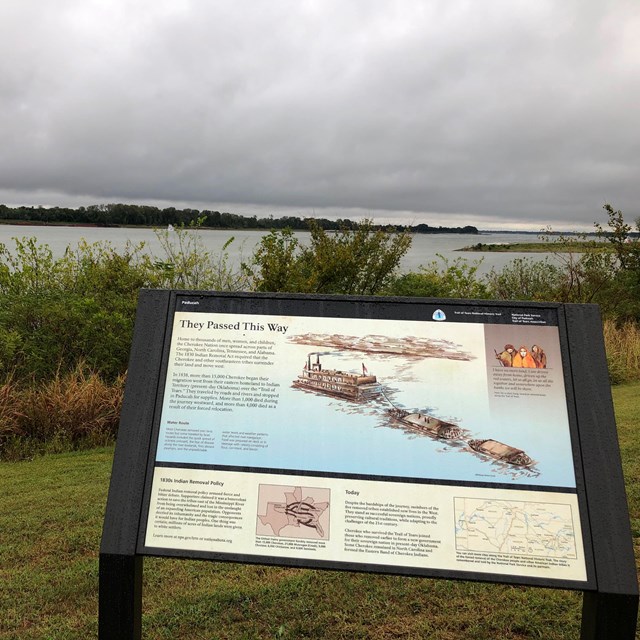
350,261
524,279
608,274
57,313
444,279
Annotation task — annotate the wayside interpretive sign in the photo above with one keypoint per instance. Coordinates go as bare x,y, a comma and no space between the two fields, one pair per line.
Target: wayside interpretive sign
436,438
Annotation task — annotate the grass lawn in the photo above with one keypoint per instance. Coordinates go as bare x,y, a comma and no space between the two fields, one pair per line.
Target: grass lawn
51,513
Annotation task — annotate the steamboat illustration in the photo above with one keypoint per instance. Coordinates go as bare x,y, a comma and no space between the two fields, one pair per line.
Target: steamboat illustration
334,382
365,387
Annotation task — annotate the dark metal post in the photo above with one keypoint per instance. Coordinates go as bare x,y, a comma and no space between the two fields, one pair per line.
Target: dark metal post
609,616
120,592
610,612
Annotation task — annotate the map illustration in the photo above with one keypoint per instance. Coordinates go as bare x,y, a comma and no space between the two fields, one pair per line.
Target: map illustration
300,509
515,527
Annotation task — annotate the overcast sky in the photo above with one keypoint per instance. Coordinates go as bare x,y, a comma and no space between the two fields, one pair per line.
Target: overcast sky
504,113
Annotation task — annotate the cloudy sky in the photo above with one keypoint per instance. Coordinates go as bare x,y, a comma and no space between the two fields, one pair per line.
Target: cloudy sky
502,113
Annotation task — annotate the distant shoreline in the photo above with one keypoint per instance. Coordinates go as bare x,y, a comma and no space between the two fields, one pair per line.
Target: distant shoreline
430,231
525,247
416,229
79,225
39,223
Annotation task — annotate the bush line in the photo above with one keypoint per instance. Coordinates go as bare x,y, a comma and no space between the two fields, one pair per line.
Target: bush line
66,324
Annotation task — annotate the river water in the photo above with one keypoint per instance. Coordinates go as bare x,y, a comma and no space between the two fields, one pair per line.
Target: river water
425,248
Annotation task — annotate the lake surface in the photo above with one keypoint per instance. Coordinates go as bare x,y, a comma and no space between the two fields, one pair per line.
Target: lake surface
425,248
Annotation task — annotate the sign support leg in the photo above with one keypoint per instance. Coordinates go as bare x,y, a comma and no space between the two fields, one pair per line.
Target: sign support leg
120,609
608,616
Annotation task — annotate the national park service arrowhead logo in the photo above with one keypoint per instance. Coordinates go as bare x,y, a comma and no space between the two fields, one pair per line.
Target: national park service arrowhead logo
439,315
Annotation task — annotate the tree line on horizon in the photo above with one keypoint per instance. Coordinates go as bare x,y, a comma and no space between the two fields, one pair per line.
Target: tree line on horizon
113,215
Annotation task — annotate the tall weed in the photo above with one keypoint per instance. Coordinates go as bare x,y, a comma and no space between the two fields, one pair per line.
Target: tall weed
187,264
622,343
73,410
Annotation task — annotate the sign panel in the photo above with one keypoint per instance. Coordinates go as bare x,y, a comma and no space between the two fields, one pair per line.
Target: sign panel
435,441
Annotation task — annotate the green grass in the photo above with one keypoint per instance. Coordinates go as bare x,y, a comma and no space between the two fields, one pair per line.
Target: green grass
50,525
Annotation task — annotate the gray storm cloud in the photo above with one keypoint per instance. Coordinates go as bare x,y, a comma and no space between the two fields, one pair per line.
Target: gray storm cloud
507,111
